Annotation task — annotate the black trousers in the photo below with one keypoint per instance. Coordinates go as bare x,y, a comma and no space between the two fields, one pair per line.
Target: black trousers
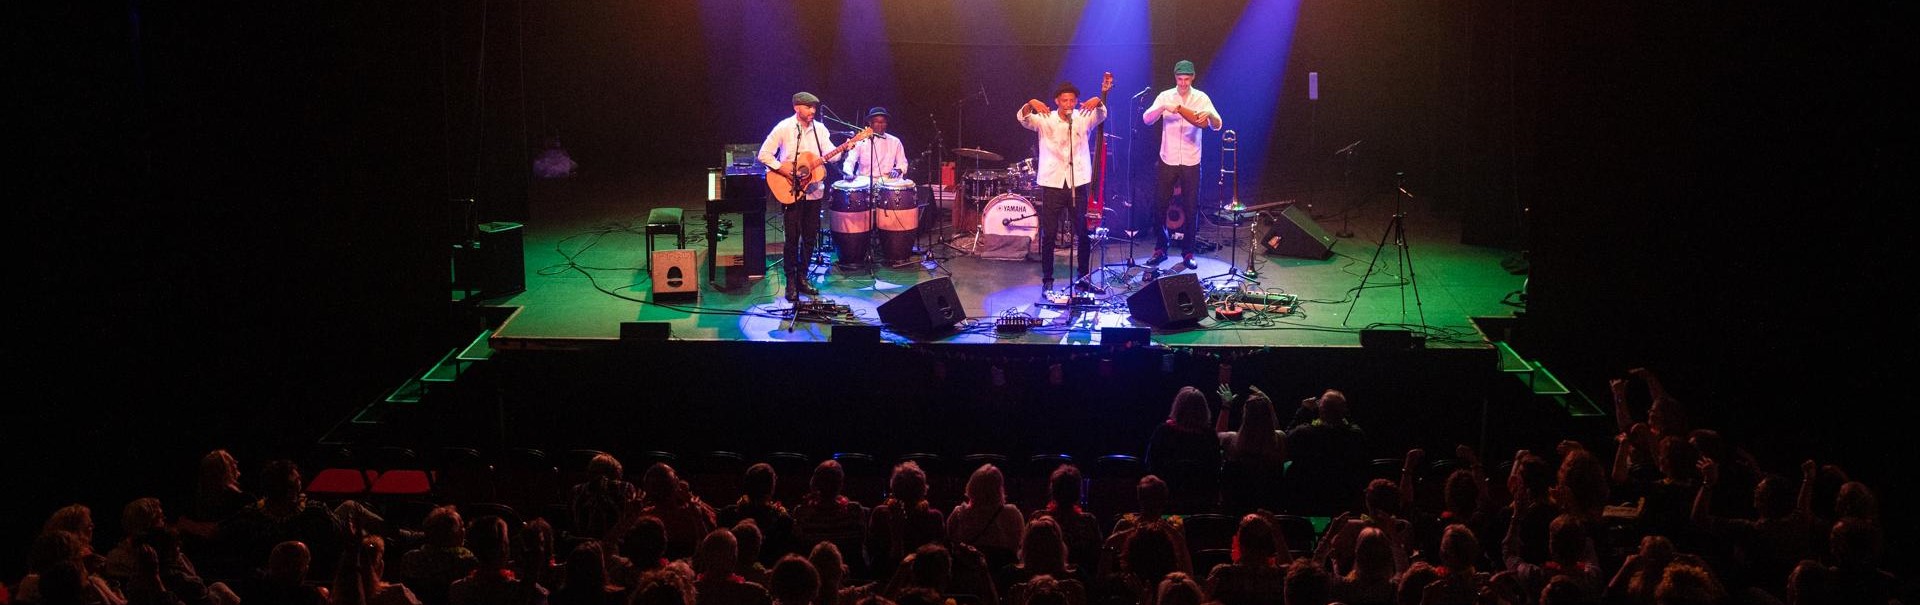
1188,177
801,221
1057,211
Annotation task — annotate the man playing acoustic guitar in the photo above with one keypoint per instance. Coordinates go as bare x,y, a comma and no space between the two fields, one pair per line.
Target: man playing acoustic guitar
796,154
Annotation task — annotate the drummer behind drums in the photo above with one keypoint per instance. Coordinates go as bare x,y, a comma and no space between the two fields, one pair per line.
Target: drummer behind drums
881,157
878,164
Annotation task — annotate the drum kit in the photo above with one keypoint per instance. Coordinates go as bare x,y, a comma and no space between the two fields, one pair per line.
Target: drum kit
997,202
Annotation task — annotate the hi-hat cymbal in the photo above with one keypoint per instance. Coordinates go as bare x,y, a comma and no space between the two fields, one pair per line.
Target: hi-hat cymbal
978,154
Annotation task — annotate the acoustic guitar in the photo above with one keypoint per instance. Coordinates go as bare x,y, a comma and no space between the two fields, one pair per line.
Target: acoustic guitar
808,168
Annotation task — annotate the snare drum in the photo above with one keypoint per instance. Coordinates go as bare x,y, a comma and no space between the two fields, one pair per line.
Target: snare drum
979,186
1021,176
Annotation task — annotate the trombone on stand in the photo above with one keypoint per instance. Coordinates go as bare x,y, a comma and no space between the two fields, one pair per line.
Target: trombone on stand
1230,171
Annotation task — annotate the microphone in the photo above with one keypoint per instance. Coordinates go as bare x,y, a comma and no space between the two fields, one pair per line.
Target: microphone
1142,92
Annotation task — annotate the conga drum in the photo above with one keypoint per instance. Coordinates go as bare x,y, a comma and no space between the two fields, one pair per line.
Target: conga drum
898,216
850,219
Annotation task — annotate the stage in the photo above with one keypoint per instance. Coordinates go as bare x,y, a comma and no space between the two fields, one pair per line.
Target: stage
584,256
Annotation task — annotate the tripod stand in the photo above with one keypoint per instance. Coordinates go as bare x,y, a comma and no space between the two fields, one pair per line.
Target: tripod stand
1397,233
1230,166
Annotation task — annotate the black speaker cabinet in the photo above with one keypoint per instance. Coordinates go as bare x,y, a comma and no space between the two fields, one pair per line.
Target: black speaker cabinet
926,307
1290,232
1174,300
491,264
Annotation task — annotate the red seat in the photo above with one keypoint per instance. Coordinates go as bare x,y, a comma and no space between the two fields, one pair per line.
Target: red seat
341,482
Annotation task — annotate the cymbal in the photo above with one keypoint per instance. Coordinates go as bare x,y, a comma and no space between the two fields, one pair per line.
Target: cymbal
978,154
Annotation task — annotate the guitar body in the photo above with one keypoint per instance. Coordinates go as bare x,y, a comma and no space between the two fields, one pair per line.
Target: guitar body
808,168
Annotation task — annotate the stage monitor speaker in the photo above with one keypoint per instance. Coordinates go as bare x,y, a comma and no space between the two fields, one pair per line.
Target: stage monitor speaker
1173,300
639,331
1290,232
733,272
1391,339
491,264
926,307
674,274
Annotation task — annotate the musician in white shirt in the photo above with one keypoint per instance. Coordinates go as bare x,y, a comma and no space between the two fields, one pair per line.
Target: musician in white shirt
801,219
1179,160
882,156
1065,168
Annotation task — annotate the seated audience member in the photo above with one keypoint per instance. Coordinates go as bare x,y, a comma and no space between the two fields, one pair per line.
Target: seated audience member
493,582
533,557
1045,590
1329,457
1383,512
832,569
358,580
665,586
76,519
136,519
1043,552
1688,584
826,515
747,537
716,581
1180,589
284,513
1306,583
1460,582
1773,543
598,503
903,522
587,582
1570,555
793,581
284,581
643,550
1080,528
1254,457
1146,559
1185,452
1414,584
685,517
430,569
932,567
757,503
1370,581
217,495
1151,493
1642,572
1258,572
986,521
57,572
1855,544
1530,512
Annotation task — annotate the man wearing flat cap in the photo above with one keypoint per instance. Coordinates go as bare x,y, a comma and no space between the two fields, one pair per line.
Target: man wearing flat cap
1186,110
801,219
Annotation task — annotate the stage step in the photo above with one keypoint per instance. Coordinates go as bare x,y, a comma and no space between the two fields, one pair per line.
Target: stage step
1510,360
481,349
408,392
447,370
1578,405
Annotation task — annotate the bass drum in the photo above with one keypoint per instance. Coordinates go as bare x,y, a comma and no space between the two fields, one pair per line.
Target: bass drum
1013,215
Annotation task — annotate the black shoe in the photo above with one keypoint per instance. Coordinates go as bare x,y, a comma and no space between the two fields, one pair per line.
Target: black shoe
805,288
1186,260
1046,285
792,296
1091,288
1159,256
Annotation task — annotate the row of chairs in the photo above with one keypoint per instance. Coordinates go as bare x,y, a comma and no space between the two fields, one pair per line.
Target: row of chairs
532,477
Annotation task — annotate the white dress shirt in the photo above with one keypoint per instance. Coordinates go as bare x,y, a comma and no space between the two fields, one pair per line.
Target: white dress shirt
877,154
1056,137
1180,141
784,142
